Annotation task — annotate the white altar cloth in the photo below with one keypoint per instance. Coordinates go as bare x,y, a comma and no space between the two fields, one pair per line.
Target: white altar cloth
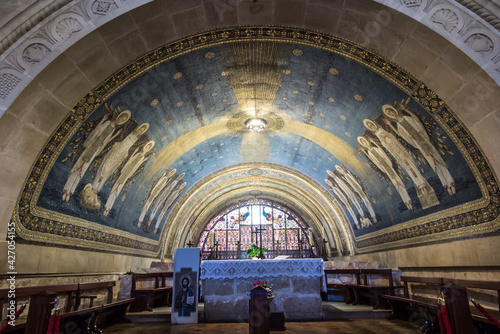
230,269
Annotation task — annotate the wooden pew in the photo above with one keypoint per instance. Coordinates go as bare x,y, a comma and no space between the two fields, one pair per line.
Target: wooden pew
472,287
147,298
341,288
414,307
370,293
72,314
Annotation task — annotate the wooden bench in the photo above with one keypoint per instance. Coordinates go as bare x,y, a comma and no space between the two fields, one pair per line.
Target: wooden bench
342,289
418,308
72,314
472,287
148,298
369,293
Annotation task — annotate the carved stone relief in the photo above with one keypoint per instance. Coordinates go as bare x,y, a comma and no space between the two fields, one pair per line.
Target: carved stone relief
480,43
447,18
102,7
35,53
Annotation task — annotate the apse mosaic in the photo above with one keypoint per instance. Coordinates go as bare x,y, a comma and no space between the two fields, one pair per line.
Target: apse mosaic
386,148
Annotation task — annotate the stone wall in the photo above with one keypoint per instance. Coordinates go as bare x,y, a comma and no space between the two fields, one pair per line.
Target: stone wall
228,300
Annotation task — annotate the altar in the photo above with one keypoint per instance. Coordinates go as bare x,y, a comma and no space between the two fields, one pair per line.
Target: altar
296,285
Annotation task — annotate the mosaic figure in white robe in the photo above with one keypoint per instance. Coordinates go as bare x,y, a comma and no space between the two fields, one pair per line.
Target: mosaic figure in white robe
412,130
168,203
425,192
93,145
377,155
350,196
353,182
163,196
115,157
154,192
345,202
130,167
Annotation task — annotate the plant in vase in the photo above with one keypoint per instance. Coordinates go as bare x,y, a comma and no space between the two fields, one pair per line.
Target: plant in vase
254,250
263,284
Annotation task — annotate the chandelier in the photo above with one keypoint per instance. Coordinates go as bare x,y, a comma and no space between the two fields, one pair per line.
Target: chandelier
255,124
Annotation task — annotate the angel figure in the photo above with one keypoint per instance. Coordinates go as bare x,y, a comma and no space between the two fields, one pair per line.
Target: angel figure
93,145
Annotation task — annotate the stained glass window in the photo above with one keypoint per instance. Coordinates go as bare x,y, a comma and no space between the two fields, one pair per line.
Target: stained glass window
256,222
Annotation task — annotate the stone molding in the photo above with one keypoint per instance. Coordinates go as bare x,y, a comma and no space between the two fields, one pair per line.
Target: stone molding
48,33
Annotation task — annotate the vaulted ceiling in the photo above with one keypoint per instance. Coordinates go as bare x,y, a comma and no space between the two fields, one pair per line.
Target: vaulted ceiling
416,177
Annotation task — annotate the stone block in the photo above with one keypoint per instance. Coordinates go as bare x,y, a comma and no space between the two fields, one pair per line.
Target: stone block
172,7
476,99
116,28
6,208
8,125
289,12
72,88
97,62
32,93
415,57
442,79
220,13
189,22
128,47
322,18
250,12
218,287
244,285
149,11
306,286
303,307
226,309
279,282
157,31
18,157
44,113
56,72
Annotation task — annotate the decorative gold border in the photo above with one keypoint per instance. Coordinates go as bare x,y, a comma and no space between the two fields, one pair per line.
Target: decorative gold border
32,224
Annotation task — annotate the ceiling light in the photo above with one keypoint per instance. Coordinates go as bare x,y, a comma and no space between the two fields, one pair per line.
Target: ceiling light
255,124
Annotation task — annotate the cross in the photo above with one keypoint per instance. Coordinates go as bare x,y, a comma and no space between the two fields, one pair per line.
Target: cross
259,230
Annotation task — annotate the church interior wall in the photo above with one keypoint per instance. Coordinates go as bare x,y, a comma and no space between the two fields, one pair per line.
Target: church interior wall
36,113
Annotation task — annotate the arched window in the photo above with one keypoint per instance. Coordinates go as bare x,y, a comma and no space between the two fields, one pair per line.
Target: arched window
231,233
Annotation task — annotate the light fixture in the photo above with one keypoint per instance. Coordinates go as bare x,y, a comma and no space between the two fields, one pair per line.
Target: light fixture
255,124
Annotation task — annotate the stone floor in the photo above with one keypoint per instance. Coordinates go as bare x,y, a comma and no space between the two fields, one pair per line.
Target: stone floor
357,326
338,318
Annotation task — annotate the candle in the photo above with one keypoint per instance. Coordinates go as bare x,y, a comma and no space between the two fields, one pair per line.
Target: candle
212,239
323,232
311,239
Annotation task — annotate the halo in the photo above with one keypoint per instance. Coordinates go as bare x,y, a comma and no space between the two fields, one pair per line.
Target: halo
366,123
149,145
330,173
125,112
363,141
143,125
386,109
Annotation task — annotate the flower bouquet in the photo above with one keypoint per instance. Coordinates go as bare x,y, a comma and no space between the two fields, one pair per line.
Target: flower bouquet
263,284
